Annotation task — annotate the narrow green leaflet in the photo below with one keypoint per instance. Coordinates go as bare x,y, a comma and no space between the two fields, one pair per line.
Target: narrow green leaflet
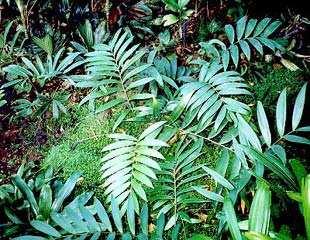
241,24
116,215
131,214
297,139
45,228
231,219
245,49
259,216
208,194
263,123
65,191
26,191
299,107
234,52
218,178
281,113
230,32
151,129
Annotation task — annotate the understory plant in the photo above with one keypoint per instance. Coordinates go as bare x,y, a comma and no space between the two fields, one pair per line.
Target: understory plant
38,77
40,206
10,47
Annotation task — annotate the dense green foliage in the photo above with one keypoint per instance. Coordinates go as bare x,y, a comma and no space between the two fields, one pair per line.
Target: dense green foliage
169,147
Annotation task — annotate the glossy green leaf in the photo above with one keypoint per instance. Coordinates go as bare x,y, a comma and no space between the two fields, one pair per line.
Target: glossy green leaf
208,194
241,24
26,191
65,191
218,178
116,215
45,228
230,32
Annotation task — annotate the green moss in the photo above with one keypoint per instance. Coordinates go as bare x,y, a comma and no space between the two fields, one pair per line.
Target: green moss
80,150
268,88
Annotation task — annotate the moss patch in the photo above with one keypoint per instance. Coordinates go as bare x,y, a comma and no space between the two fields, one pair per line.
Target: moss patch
268,88
80,150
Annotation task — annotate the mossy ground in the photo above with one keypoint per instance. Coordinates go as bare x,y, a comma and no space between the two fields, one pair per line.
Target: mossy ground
268,88
80,148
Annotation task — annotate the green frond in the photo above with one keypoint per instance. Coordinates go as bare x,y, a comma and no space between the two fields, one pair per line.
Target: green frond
130,164
115,72
246,35
210,99
177,177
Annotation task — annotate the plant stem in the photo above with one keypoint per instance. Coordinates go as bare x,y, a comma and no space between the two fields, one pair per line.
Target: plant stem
208,139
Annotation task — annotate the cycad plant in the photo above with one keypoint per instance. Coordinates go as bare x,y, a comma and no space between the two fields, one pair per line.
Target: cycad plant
274,157
210,98
180,13
38,206
33,77
40,72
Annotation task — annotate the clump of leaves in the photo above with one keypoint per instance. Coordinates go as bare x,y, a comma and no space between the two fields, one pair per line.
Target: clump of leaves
90,37
34,206
33,77
179,9
10,47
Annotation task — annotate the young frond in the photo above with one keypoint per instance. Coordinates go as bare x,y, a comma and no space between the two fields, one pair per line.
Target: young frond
274,158
130,164
247,34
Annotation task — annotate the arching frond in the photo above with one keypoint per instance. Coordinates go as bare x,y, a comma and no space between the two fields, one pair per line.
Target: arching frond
210,100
